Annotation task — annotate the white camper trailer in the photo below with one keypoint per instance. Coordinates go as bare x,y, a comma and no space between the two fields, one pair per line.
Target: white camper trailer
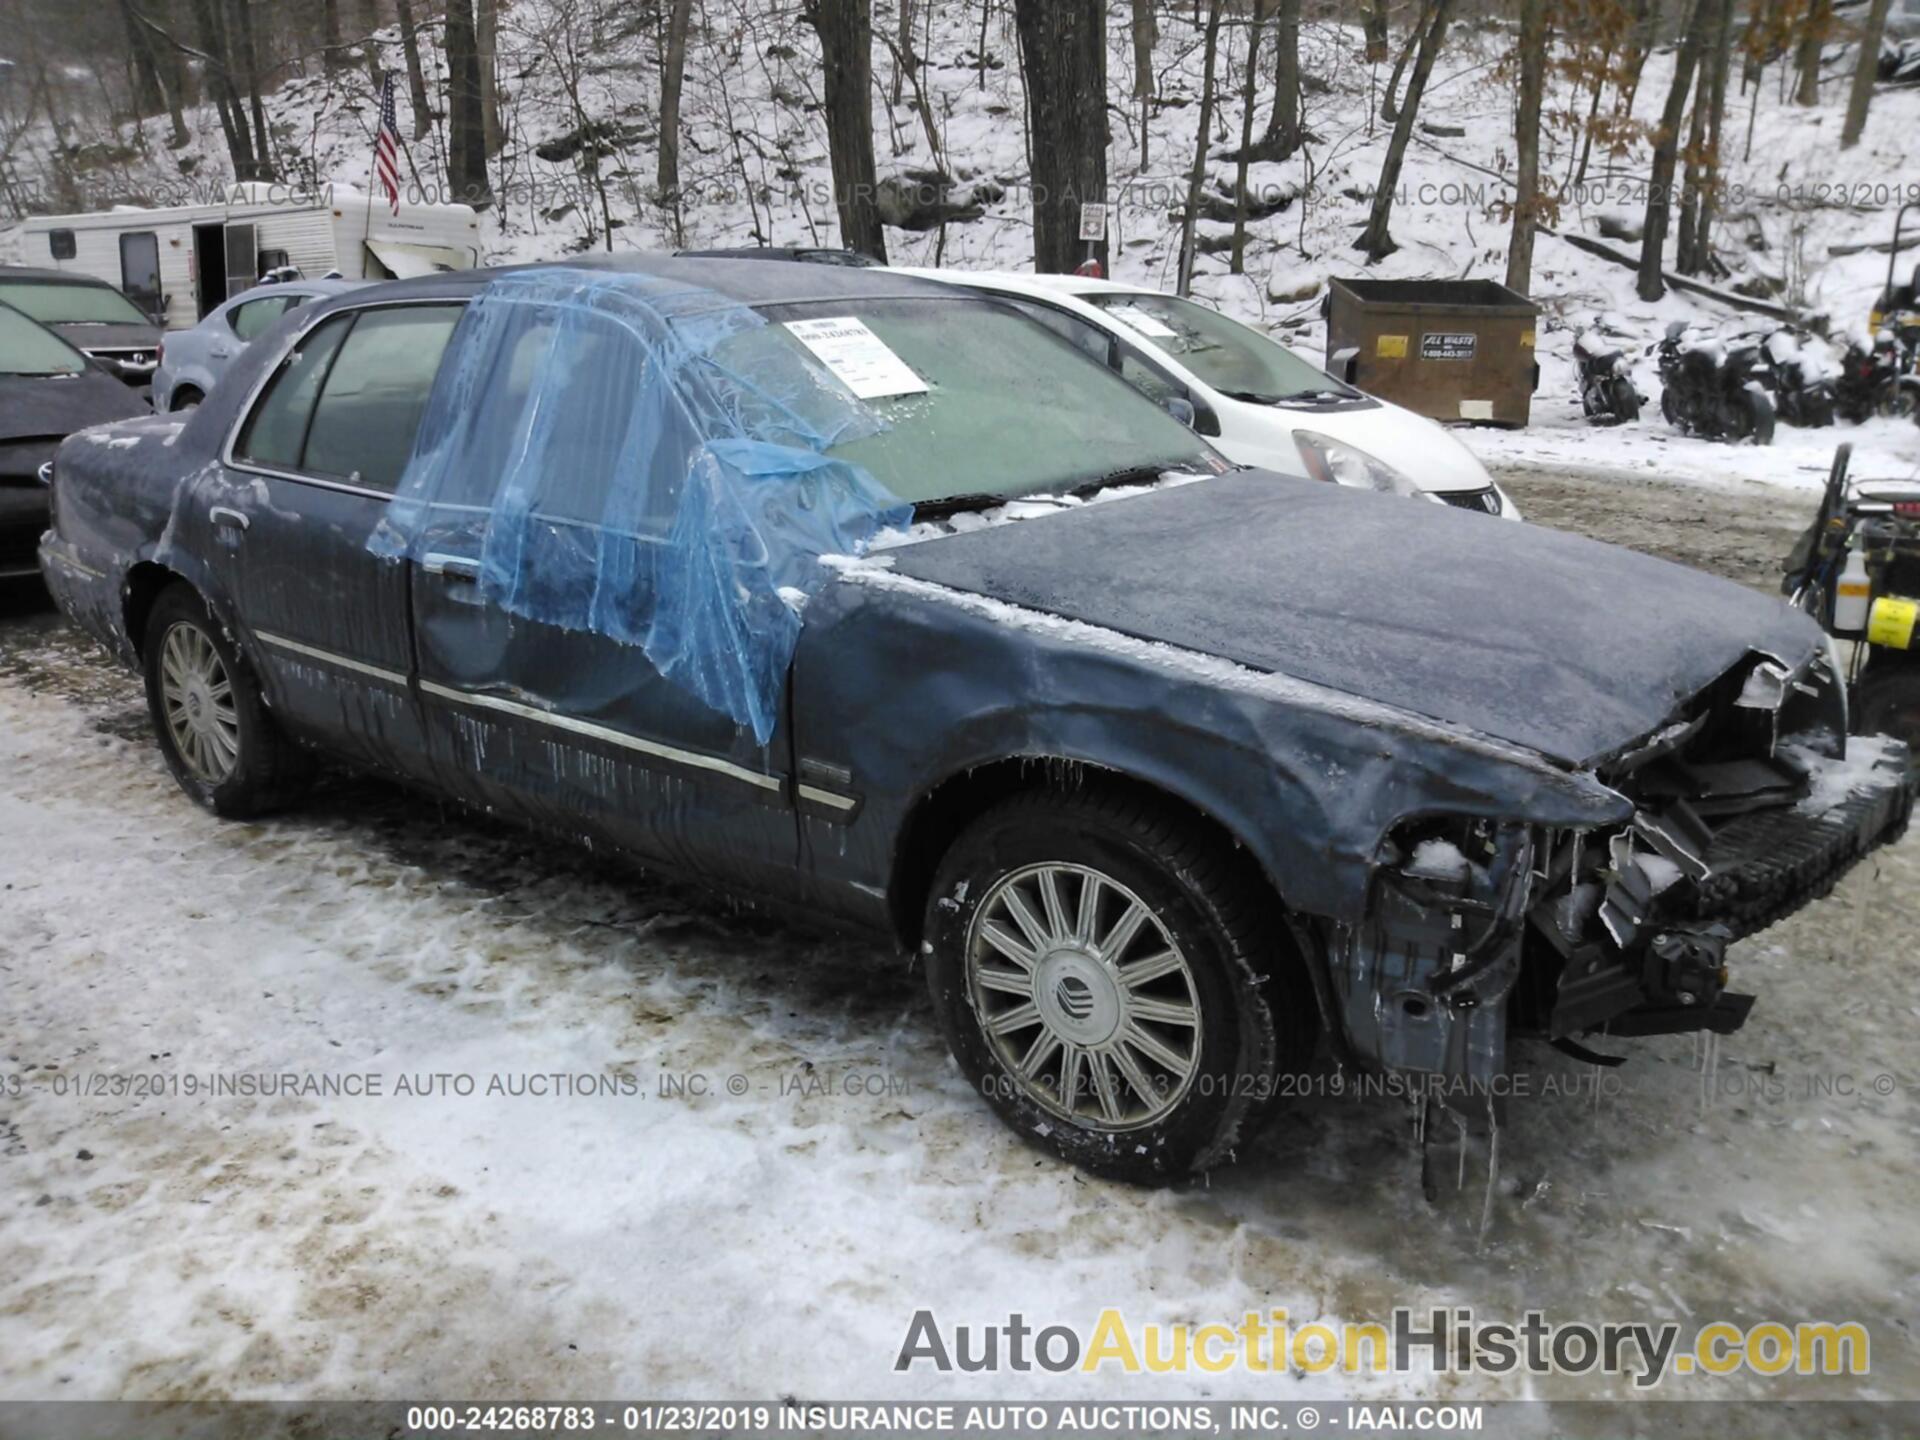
185,260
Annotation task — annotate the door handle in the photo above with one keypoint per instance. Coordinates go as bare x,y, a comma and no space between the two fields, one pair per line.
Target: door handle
230,519
450,567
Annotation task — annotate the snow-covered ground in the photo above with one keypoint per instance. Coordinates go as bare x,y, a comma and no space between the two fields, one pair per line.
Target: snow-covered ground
778,1241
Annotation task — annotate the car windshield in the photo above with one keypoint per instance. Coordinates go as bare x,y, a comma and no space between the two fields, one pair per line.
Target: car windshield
978,403
27,349
53,302
1233,359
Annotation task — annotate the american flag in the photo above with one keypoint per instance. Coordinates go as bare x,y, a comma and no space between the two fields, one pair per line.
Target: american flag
386,148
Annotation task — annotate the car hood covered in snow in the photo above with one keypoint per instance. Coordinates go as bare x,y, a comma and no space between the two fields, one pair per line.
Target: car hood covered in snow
1543,639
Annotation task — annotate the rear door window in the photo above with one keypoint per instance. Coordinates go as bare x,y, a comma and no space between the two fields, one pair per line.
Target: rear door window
250,319
371,401
277,430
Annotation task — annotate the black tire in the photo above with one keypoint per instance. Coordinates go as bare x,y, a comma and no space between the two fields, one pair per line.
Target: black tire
1670,409
267,771
1626,401
185,398
1750,417
1256,1017
1887,702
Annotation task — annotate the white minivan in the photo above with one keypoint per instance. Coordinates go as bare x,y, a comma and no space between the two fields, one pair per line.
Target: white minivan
1257,401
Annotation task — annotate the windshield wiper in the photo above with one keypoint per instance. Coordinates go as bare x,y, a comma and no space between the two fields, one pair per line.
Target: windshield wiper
953,504
1130,475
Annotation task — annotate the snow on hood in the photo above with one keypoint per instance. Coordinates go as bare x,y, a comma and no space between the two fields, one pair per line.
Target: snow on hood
1545,640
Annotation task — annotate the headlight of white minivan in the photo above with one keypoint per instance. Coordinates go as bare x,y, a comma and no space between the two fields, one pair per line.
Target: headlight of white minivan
1339,463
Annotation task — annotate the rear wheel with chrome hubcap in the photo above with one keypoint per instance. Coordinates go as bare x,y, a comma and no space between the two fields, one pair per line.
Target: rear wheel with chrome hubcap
213,726
1112,978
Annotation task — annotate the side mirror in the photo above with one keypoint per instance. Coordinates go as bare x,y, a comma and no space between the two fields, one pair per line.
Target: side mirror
1182,410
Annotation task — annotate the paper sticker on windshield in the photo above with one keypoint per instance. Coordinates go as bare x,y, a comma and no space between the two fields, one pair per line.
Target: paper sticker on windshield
858,358
1134,318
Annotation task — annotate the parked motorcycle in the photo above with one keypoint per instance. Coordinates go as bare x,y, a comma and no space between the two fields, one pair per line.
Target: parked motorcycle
1797,371
1877,379
1711,390
1857,572
1606,380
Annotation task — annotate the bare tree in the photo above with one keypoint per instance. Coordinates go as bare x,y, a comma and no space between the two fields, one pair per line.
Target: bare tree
466,127
1865,71
1146,33
1247,91
1197,174
416,76
1813,35
151,61
486,42
1375,29
1064,51
673,72
1283,131
1376,239
214,52
1526,184
248,56
1666,150
845,28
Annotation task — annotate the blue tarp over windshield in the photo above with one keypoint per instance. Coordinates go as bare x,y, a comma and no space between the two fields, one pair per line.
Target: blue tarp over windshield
645,460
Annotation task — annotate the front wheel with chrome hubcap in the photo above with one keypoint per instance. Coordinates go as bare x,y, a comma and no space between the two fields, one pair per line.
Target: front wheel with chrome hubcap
1087,1001
1112,978
213,726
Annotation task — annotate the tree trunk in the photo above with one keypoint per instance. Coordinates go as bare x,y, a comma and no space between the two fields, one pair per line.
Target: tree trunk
466,127
667,176
1646,21
902,51
158,51
1197,175
1282,135
1666,151
1807,58
1375,29
416,76
1376,239
1390,97
1064,52
486,33
148,96
331,37
226,99
249,58
1526,185
1238,263
1145,33
1720,62
846,53
1686,252
1866,70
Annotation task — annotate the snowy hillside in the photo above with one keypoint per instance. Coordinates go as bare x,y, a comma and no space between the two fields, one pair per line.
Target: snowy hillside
580,97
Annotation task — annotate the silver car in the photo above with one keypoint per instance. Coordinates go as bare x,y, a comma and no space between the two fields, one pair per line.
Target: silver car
191,361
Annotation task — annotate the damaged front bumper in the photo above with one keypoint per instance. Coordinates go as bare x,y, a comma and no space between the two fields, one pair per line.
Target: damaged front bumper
1481,930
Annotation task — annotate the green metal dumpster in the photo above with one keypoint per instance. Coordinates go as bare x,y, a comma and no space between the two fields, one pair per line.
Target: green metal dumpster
1455,350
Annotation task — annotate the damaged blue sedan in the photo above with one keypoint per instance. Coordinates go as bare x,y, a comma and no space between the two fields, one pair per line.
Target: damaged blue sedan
870,597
